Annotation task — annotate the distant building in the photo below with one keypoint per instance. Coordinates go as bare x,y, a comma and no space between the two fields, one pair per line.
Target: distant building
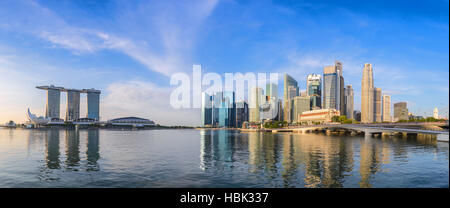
367,91
131,121
73,103
321,116
400,111
377,108
333,87
348,92
314,90
242,113
227,110
387,108
357,115
207,109
272,91
436,113
299,105
93,104
290,90
256,98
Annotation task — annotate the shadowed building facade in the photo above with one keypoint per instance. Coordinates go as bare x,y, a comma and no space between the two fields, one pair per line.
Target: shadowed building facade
400,111
377,105
93,104
73,105
348,91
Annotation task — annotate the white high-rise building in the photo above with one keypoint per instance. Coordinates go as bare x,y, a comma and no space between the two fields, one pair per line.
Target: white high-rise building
367,91
387,108
436,113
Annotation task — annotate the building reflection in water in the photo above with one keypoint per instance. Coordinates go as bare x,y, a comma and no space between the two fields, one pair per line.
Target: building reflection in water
305,160
52,149
217,148
93,150
72,149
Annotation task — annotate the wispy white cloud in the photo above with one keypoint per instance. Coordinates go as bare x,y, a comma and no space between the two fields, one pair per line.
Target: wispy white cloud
176,28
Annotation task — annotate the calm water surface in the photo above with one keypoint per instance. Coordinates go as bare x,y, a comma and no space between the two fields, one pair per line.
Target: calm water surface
220,158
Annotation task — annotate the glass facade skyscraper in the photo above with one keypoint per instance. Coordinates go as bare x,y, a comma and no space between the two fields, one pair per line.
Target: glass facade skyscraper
207,109
333,87
314,90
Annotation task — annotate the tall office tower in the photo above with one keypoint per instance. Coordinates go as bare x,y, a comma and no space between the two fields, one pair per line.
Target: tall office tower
52,109
386,108
299,105
314,90
280,111
290,91
93,104
272,90
216,102
333,87
206,109
241,113
73,105
377,104
367,101
400,111
255,101
227,110
289,81
348,91
436,113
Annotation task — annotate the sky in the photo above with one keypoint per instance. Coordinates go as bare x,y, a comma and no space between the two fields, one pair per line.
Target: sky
130,49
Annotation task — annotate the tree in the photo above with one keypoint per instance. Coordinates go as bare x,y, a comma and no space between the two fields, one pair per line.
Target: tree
335,118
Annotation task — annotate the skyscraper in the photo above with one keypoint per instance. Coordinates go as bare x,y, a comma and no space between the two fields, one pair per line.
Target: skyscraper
333,87
348,102
241,113
435,113
52,108
227,110
299,105
377,104
206,109
73,105
93,104
386,108
289,81
290,91
400,111
272,90
255,101
367,101
314,90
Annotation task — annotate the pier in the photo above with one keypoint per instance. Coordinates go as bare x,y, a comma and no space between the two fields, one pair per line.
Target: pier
363,129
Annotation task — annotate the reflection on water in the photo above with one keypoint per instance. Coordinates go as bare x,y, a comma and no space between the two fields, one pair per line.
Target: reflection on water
72,160
308,160
217,158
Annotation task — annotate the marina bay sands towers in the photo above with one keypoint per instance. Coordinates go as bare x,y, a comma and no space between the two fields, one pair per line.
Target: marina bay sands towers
52,109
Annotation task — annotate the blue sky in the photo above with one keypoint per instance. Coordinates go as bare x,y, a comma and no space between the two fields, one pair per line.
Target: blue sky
129,49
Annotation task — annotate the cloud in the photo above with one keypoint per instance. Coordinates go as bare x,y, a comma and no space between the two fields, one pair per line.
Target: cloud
145,99
171,37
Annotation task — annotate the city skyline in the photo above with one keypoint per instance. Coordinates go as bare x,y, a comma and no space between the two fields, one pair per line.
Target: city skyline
64,44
